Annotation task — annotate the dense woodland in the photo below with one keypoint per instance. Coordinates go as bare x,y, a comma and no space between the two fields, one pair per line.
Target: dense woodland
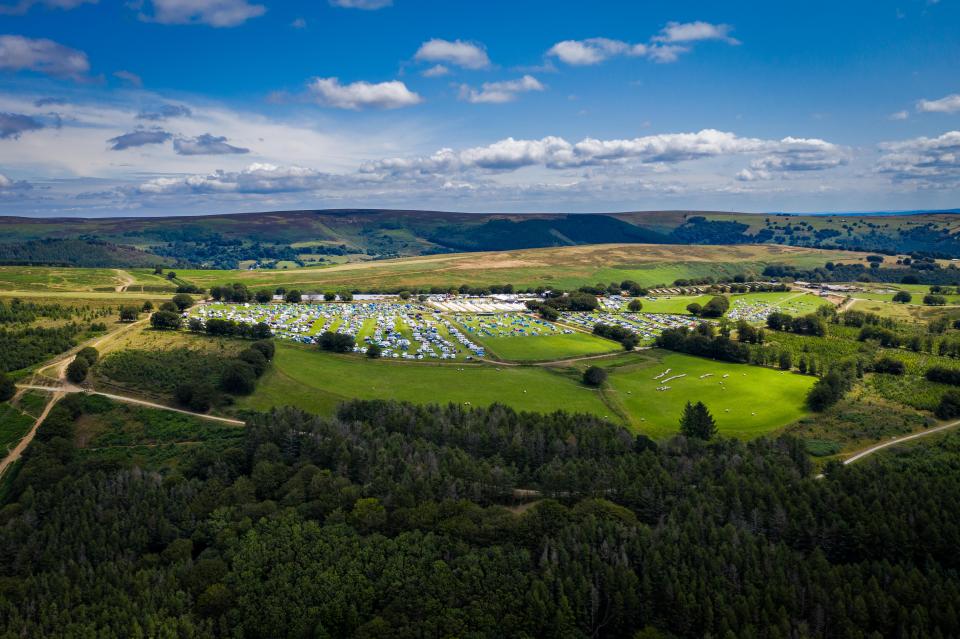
390,521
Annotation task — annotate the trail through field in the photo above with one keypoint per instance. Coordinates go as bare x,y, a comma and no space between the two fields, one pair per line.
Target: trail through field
899,440
21,446
125,280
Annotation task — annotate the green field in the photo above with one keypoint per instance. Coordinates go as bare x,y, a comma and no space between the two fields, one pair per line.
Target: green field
318,381
13,426
543,348
750,402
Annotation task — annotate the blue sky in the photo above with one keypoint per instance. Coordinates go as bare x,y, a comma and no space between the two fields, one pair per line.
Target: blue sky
206,106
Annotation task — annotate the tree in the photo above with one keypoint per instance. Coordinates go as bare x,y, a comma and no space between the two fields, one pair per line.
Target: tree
256,360
697,422
147,306
336,342
594,376
949,406
182,301
346,296
634,306
77,370
238,378
171,275
89,354
934,300
694,309
716,307
169,307
294,297
786,360
329,296
404,295
129,313
266,347
374,351
902,297
7,388
263,296
165,320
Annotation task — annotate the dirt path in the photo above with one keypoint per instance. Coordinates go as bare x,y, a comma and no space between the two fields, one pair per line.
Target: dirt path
899,440
21,446
125,280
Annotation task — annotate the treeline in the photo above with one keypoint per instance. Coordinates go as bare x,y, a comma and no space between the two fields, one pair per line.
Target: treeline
229,328
913,271
84,252
704,343
28,346
387,521
21,312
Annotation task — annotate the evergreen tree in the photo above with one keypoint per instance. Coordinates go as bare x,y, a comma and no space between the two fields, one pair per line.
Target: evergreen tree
697,422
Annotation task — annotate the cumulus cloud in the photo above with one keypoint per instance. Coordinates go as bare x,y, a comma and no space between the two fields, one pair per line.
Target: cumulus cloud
129,77
206,144
362,95
667,46
166,112
468,55
695,31
257,178
923,162
215,13
18,53
947,104
499,92
140,137
13,125
366,5
552,152
436,71
21,7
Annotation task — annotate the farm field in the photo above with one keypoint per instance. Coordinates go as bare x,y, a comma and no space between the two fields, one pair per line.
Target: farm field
317,382
788,301
750,401
525,338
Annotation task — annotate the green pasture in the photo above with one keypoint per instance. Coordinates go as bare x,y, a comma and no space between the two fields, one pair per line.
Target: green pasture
751,401
541,348
317,382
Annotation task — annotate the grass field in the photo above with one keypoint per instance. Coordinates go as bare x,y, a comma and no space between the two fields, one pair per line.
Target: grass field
750,402
13,426
318,381
542,348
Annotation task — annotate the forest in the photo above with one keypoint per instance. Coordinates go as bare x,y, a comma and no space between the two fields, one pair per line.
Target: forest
392,520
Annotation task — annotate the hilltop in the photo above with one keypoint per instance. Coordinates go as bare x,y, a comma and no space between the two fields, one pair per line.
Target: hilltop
297,238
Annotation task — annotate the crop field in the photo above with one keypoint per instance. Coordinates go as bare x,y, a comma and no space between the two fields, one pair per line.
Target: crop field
747,401
524,338
318,381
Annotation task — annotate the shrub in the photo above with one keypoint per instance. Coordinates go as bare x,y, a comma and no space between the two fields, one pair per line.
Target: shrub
77,370
256,360
949,406
944,375
634,306
889,365
238,378
934,300
594,376
336,342
266,347
374,351
90,354
129,313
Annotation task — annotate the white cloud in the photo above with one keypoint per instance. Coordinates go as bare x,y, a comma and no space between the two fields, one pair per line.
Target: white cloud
18,53
923,162
899,115
593,50
362,95
499,92
216,13
948,104
694,32
436,71
468,55
366,5
23,6
664,47
130,78
206,144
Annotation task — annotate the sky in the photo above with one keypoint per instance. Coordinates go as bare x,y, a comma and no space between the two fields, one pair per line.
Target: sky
184,107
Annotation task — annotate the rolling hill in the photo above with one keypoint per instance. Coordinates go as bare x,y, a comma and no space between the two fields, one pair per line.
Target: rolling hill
296,238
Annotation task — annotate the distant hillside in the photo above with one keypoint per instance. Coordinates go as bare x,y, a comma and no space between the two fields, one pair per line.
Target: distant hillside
78,252
312,237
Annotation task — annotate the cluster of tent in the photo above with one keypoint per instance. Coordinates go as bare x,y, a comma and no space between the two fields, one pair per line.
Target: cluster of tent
509,325
648,326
